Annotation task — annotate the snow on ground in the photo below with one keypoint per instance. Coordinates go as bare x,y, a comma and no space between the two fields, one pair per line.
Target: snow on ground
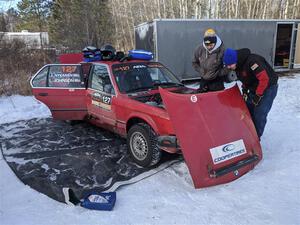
18,107
269,194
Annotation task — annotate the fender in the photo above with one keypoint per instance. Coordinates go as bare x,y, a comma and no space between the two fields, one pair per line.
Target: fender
144,117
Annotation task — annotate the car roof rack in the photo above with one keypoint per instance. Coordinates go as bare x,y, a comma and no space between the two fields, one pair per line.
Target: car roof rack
91,54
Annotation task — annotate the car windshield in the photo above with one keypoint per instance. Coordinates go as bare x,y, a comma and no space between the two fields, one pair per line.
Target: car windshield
135,77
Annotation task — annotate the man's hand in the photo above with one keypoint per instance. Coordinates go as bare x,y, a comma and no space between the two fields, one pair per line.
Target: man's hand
256,99
203,89
245,94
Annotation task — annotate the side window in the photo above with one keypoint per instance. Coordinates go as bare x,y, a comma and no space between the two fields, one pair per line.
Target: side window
68,76
100,79
40,79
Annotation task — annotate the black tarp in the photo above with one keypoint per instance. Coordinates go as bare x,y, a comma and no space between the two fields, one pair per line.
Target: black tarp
48,155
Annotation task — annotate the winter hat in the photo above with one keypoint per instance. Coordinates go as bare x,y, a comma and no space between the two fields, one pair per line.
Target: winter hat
210,37
230,57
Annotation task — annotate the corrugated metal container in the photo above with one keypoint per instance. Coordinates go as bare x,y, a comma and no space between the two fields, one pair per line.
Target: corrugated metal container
173,41
31,39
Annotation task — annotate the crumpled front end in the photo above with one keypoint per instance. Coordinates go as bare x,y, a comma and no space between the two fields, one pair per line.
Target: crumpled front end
216,134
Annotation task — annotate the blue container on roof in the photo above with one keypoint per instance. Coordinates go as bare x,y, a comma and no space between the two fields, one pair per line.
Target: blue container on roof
140,54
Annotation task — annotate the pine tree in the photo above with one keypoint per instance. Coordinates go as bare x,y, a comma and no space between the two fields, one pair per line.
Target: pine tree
34,14
77,23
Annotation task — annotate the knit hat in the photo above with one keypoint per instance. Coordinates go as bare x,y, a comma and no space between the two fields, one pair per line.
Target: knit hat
209,33
210,37
230,57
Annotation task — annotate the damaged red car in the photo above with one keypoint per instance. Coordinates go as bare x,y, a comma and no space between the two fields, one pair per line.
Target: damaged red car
145,103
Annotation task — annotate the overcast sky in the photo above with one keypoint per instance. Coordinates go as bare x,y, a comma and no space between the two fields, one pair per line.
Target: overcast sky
6,4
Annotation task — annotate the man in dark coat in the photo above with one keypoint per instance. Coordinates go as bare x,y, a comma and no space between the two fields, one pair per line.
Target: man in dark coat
208,63
259,83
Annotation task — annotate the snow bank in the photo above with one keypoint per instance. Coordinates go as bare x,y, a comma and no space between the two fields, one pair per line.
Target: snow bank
19,107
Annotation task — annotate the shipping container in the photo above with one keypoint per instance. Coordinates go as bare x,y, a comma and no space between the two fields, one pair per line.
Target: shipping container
33,40
173,41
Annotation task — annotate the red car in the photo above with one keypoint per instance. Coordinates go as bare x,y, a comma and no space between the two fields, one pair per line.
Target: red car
145,103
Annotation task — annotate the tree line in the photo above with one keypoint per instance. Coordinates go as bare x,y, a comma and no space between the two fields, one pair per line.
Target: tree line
73,24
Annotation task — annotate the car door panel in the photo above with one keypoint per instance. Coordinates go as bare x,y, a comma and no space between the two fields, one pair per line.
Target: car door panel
100,102
62,89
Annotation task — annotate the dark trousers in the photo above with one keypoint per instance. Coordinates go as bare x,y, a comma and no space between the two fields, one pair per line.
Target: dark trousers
259,113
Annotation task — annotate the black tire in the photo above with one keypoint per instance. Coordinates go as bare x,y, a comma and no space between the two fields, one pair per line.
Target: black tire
142,145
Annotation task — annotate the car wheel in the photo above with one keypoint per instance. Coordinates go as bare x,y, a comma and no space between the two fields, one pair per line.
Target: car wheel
142,145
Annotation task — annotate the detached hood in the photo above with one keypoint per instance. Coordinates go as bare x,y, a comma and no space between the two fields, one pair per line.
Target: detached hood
216,134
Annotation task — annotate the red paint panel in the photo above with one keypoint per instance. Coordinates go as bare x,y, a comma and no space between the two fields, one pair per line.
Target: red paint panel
263,81
71,58
64,104
209,120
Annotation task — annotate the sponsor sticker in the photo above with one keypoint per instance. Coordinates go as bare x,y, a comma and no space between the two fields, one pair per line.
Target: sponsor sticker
101,105
98,199
254,66
101,100
60,79
194,98
139,66
121,68
228,151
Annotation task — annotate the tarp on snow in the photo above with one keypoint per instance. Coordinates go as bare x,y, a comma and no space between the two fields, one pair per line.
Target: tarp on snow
49,155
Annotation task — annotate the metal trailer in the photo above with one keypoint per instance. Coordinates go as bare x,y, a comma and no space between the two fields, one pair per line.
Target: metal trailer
31,39
173,41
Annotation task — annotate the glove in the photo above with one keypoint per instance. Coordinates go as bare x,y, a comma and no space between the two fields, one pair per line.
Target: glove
256,99
230,77
245,94
203,89
203,86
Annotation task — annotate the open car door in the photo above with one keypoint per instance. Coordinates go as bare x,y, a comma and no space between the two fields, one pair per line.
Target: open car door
61,87
216,134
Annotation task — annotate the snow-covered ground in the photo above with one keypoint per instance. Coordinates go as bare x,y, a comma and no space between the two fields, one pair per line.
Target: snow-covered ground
269,194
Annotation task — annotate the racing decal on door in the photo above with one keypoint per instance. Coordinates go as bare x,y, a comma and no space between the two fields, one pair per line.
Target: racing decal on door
228,151
101,100
65,76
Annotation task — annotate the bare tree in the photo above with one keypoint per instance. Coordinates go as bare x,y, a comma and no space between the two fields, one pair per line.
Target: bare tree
128,13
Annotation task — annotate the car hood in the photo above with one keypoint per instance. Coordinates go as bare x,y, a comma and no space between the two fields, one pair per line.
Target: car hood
216,134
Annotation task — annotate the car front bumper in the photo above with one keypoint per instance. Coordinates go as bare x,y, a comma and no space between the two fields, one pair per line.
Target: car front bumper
168,143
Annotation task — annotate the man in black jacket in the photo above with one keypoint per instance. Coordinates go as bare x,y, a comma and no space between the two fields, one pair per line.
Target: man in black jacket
259,83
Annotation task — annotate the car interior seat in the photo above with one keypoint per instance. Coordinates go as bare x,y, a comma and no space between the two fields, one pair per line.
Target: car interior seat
145,78
135,79
124,85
